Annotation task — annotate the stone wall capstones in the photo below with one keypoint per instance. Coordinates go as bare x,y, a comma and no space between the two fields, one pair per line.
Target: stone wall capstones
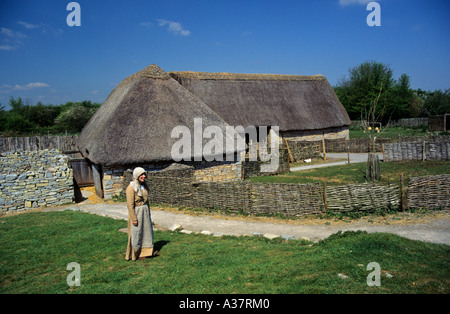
33,179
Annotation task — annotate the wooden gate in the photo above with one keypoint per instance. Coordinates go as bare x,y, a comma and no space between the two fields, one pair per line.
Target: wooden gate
82,170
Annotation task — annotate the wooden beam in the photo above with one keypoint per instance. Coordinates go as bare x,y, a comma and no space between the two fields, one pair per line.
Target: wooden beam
97,175
289,151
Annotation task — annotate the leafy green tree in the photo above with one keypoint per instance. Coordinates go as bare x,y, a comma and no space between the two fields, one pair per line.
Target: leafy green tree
16,105
367,82
24,119
400,98
17,120
75,117
42,115
416,105
437,103
16,123
3,118
371,90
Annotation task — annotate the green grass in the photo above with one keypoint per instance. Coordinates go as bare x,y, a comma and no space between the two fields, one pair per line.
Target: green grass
355,173
390,132
36,248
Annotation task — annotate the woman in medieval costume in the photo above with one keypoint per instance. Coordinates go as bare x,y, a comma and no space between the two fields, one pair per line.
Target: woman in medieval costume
140,229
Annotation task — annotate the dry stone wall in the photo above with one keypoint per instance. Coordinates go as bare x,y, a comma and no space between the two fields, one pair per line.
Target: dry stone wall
34,179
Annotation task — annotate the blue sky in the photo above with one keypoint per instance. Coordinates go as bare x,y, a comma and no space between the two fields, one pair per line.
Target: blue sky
44,59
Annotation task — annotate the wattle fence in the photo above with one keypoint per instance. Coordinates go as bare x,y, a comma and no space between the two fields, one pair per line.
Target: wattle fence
423,150
432,192
291,199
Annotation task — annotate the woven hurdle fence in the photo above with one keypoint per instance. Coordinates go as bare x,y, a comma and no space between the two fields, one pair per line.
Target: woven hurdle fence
245,197
362,197
404,151
286,199
294,200
233,197
431,192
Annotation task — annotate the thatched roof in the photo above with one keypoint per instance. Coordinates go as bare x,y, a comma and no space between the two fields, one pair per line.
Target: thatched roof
135,122
292,102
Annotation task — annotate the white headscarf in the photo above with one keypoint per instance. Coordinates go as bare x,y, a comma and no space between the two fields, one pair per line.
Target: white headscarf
135,184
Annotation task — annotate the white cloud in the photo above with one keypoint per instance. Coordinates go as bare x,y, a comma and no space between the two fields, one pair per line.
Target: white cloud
344,3
44,28
10,39
16,87
6,32
36,85
7,47
174,27
27,25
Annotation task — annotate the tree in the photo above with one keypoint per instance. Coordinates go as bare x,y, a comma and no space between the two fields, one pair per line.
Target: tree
437,103
18,124
75,117
16,105
3,118
358,91
416,106
17,121
42,115
400,98
23,119
368,122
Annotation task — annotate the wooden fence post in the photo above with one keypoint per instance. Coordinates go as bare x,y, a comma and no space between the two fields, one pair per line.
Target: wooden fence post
325,206
402,193
348,152
323,145
290,158
423,151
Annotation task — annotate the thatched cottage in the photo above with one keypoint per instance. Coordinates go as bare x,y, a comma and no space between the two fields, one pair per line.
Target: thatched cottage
133,126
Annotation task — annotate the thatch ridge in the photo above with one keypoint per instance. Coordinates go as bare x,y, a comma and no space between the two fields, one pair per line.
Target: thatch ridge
152,71
244,76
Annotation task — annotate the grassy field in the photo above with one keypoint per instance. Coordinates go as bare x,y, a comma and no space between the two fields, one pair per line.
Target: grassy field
355,173
37,247
391,132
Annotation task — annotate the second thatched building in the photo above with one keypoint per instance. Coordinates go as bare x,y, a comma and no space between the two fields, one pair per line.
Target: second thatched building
305,108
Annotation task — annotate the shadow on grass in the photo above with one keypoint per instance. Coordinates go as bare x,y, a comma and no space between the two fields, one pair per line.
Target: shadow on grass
159,245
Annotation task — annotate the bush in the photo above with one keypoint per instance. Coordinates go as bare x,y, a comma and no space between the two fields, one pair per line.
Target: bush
74,119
